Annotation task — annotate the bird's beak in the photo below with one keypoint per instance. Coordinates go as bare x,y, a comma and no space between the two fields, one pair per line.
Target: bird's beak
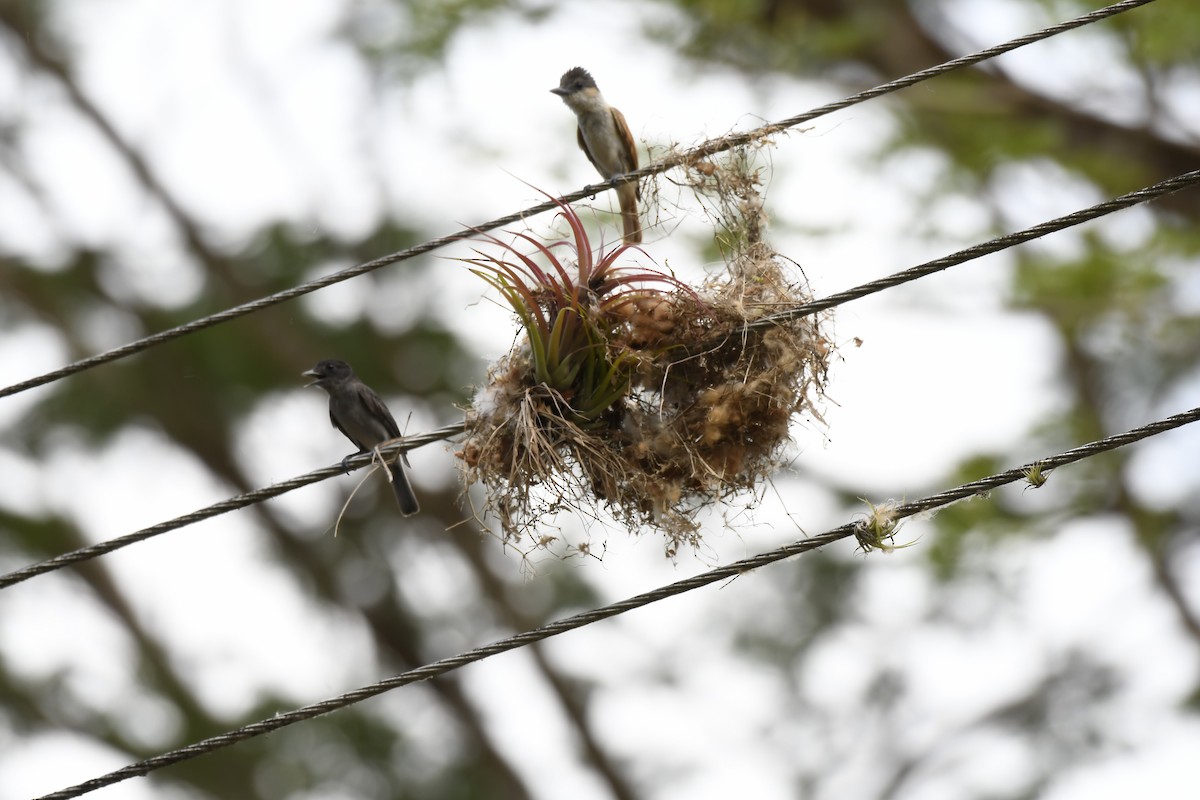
560,91
312,373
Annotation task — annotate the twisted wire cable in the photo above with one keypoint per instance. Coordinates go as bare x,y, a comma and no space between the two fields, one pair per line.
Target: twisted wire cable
937,265
223,507
702,151
731,570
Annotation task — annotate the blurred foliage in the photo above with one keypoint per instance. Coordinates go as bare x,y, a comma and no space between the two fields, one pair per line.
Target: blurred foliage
1125,342
771,36
402,39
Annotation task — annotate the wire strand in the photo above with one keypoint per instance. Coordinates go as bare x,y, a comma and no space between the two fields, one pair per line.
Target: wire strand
705,149
259,495
1145,195
732,570
223,507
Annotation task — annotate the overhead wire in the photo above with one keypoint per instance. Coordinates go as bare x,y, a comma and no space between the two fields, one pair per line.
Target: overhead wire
734,569
411,442
443,666
692,155
223,507
1144,195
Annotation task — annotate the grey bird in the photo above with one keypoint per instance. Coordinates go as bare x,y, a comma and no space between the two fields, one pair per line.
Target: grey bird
603,135
356,411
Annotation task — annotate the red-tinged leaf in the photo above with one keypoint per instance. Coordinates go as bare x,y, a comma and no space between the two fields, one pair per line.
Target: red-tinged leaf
519,297
533,269
583,247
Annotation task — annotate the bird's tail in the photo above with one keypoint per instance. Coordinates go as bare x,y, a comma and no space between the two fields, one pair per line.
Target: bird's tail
405,497
627,195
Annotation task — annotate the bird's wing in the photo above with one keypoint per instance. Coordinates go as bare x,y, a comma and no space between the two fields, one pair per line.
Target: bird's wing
583,146
379,410
630,147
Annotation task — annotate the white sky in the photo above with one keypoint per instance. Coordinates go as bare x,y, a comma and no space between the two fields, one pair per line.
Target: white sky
227,98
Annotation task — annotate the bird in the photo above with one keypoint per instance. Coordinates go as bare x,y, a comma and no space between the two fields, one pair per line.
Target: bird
603,135
356,411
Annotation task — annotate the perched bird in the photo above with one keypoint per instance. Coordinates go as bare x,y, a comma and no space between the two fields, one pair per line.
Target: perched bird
356,411
605,139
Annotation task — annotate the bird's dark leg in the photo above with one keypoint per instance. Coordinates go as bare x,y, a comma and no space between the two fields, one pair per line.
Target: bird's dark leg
346,460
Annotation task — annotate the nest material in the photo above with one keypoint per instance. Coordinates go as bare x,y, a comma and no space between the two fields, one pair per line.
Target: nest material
706,414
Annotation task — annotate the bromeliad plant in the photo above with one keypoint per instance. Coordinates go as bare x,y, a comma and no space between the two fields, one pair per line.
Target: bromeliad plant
573,315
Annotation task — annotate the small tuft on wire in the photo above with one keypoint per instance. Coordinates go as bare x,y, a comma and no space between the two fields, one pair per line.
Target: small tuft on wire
1036,476
877,529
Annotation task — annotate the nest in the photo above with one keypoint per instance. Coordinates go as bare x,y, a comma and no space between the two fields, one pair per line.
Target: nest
710,387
